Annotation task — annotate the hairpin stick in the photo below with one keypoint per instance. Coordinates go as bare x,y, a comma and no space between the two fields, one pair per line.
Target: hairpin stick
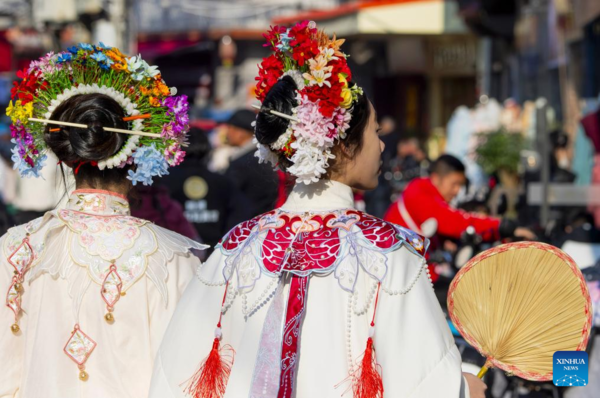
133,132
136,117
282,115
83,126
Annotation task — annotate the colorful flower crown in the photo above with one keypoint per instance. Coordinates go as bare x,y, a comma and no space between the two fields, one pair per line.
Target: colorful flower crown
325,97
148,104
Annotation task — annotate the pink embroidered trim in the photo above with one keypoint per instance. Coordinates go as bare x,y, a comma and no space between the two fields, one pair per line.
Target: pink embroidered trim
13,296
111,288
79,347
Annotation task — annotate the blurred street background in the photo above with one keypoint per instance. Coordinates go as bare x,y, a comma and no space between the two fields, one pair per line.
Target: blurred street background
511,88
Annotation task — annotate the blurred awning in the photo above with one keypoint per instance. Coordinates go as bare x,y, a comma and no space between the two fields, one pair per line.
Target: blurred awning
401,17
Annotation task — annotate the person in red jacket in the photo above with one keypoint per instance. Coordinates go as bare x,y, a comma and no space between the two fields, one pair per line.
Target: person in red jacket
424,207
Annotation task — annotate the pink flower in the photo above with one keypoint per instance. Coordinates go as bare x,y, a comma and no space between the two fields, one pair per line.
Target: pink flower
46,65
174,154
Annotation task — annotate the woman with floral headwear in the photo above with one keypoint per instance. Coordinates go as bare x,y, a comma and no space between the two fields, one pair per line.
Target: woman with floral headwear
89,289
314,299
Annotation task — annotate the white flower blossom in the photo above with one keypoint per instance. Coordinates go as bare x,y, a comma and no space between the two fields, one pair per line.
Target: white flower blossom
264,154
282,140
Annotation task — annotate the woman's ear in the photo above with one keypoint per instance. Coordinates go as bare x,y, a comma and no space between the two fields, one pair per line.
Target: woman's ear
346,150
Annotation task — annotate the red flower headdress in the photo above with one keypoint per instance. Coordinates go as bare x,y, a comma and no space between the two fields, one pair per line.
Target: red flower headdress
325,96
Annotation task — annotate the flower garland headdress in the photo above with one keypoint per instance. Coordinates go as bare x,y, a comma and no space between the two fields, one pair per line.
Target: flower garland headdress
325,96
148,103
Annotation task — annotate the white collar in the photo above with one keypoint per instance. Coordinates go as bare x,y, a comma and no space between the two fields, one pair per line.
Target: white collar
323,195
99,202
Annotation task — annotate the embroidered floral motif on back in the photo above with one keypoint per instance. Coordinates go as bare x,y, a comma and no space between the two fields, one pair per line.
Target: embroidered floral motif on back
107,237
341,241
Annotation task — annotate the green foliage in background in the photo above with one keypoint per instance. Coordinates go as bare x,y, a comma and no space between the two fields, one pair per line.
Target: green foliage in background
500,150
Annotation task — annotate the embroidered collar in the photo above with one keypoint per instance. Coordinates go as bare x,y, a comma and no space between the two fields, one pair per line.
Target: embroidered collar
98,202
339,241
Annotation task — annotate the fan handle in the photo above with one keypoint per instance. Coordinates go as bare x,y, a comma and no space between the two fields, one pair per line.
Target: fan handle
484,369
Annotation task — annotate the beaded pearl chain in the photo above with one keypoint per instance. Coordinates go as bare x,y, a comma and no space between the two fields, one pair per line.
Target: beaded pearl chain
262,300
412,284
229,299
208,283
349,333
367,303
353,300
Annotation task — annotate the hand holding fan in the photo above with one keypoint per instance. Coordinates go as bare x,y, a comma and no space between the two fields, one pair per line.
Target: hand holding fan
518,304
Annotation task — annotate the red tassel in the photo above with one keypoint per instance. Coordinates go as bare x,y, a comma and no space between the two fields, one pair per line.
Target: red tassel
366,379
210,380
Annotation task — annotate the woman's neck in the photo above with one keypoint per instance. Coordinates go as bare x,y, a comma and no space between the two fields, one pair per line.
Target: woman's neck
121,189
340,178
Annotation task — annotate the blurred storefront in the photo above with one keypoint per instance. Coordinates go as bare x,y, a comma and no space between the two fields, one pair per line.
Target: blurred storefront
416,59
210,50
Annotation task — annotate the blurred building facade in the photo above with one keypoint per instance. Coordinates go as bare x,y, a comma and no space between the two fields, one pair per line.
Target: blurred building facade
417,60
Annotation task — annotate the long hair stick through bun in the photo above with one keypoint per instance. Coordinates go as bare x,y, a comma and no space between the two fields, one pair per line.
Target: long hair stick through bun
271,111
123,131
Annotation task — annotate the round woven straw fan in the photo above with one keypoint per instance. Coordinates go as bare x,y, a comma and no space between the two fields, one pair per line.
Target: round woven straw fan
518,304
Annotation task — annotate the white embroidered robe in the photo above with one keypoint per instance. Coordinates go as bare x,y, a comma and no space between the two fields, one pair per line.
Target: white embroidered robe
345,254
69,253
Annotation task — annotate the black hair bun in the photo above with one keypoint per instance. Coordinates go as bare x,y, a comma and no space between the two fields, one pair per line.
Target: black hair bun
73,144
282,98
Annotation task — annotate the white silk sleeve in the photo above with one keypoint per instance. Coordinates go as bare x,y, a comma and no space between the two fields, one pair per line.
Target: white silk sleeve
415,348
159,388
181,270
11,346
188,338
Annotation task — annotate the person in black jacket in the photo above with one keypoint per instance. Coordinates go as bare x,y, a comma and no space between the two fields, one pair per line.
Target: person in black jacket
211,202
258,182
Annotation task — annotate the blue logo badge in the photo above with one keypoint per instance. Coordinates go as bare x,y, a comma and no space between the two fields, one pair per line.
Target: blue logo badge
570,368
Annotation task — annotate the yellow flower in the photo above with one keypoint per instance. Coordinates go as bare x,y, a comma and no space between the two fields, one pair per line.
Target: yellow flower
119,67
154,102
28,112
115,55
346,98
161,89
165,90
10,109
18,112
343,80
